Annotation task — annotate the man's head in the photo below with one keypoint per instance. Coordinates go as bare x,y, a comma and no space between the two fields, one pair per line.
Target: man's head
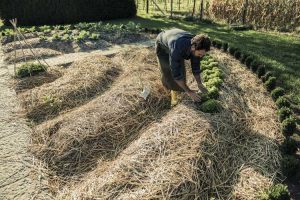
200,45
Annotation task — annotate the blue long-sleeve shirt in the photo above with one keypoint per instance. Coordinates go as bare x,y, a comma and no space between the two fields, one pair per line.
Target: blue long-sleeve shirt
177,43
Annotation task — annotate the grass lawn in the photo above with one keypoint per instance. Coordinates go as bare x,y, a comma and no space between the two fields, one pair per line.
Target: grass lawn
282,51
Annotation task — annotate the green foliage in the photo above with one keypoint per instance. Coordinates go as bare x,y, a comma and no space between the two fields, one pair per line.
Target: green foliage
30,69
237,54
209,66
276,192
62,12
289,146
232,50
282,102
288,126
214,82
270,84
261,70
254,65
211,106
218,44
290,166
277,92
284,113
243,57
266,76
213,92
225,46
249,60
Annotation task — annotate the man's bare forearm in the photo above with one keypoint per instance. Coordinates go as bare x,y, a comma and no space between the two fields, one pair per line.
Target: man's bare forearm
198,79
183,85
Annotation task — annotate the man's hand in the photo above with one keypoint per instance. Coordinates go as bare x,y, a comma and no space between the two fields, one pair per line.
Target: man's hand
202,88
195,97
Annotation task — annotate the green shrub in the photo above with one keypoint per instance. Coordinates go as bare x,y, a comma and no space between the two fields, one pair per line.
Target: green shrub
232,50
288,126
266,76
237,54
284,113
30,69
211,106
225,46
217,82
270,83
210,74
218,44
290,166
261,70
277,92
254,65
213,92
249,60
209,66
243,58
276,192
214,42
289,146
40,12
282,102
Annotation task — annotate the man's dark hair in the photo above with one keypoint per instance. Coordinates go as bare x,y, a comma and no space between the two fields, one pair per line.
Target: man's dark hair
201,42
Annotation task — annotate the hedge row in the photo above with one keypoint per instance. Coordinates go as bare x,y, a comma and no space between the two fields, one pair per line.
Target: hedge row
41,12
290,165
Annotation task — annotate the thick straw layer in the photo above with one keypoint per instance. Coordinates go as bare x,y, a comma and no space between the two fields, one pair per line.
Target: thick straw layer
81,81
192,155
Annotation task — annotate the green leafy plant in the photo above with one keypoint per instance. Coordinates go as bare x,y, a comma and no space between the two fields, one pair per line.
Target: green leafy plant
254,65
282,102
217,82
289,146
232,50
270,84
243,57
213,92
277,92
249,60
30,69
237,54
276,192
284,113
266,76
218,44
290,166
261,70
225,46
211,106
288,126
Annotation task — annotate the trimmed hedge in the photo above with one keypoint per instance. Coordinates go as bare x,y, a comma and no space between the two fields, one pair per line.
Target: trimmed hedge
40,12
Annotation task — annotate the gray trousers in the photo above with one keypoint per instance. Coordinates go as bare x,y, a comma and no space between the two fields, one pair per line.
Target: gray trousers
165,69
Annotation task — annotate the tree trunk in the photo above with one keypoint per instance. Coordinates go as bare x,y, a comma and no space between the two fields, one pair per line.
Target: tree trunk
147,6
194,7
201,9
246,3
171,8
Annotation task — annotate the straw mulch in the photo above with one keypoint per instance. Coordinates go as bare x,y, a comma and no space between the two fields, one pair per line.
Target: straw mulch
26,54
80,82
193,155
26,83
73,142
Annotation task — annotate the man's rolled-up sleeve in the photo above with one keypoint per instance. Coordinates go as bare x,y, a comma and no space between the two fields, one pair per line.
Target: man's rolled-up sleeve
195,64
176,68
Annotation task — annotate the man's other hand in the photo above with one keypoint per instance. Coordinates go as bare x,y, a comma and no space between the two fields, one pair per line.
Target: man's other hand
195,97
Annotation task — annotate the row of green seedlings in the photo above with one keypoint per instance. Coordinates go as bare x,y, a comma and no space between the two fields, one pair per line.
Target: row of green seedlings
30,69
290,165
212,78
76,32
